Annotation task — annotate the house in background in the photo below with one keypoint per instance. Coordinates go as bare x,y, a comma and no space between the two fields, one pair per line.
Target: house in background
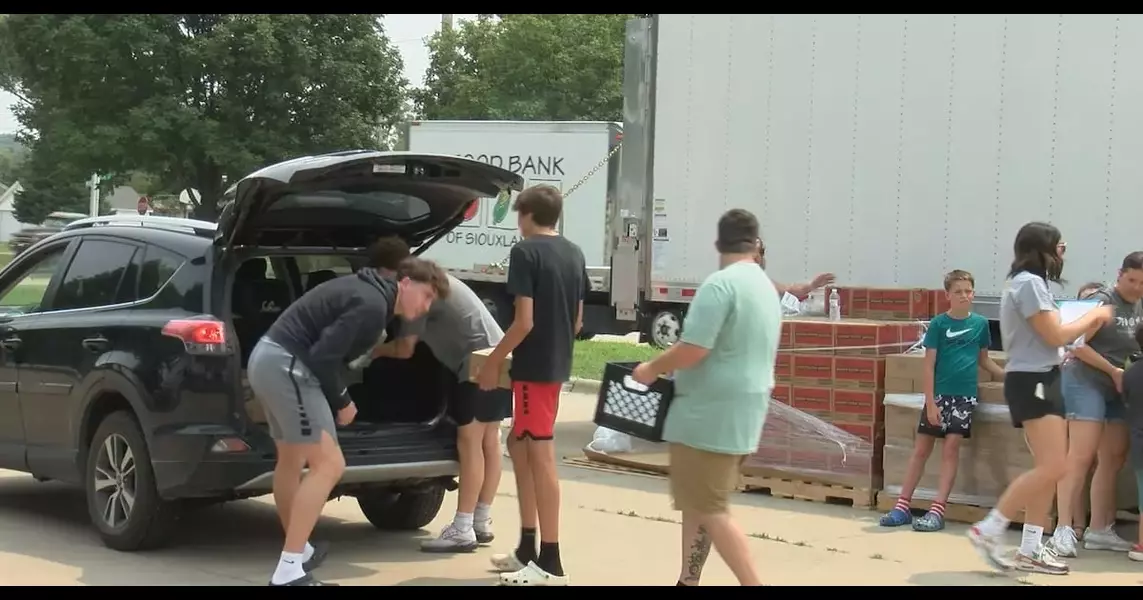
123,199
8,222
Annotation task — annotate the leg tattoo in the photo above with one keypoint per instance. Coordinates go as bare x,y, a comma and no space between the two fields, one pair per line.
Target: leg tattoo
696,558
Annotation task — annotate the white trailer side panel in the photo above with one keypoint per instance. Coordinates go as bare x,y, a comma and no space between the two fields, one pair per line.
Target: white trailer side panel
556,153
891,149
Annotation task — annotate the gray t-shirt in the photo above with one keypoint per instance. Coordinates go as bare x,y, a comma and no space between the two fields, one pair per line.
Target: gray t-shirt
455,327
1114,341
1026,295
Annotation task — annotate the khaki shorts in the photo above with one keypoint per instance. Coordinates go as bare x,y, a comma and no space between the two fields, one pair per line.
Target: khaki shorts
701,481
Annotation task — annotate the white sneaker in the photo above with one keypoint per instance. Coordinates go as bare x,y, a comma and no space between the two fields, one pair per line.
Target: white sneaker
533,576
988,547
451,539
1136,553
1105,539
1063,542
1044,561
483,531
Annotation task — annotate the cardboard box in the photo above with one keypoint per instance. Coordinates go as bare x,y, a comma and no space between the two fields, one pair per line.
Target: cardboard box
899,304
812,336
858,406
897,385
863,337
476,361
990,392
783,367
938,302
817,401
781,393
786,338
813,370
859,372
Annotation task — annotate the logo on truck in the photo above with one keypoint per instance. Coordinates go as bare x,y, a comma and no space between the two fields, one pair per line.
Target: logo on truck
500,210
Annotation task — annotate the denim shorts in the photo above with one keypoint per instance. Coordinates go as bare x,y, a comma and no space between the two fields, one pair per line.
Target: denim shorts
1087,400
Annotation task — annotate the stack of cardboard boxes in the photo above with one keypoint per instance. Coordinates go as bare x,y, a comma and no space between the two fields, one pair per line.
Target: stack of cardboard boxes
994,455
835,372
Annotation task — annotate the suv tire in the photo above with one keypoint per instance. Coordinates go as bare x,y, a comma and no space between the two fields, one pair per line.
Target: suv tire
405,510
119,462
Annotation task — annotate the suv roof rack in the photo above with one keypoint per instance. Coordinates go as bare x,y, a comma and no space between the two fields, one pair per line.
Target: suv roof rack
192,226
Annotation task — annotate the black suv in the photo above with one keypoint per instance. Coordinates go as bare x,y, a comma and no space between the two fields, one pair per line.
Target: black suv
124,340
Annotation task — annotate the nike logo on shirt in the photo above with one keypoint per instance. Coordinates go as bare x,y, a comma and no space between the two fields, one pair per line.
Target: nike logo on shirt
953,334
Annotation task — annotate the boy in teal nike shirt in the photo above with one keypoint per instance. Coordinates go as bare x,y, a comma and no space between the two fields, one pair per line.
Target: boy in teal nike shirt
956,345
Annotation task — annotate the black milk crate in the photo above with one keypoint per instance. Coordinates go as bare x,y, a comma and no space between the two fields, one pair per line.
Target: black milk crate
636,412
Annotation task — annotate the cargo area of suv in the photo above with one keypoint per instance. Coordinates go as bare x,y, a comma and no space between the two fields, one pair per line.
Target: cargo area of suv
126,340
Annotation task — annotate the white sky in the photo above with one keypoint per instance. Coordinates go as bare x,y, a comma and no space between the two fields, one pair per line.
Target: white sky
407,32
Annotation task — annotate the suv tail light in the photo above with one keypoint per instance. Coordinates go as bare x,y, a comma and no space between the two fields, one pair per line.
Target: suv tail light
199,336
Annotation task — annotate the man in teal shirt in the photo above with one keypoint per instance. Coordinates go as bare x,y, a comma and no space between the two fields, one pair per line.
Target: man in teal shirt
724,372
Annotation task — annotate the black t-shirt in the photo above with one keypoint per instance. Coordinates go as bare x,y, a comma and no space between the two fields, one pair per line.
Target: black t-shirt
551,271
1133,397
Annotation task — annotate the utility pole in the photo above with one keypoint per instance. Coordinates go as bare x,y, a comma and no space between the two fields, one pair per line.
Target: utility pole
446,21
93,183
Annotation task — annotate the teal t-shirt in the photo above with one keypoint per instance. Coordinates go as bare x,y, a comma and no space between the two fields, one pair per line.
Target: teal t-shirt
958,343
720,404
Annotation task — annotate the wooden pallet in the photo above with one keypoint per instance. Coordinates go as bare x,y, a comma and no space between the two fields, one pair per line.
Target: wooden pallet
604,467
809,490
957,513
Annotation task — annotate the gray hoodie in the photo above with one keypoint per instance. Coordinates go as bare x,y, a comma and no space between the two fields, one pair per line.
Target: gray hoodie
334,323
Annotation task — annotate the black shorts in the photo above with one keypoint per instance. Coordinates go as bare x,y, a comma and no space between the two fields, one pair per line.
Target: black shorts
956,417
1032,396
469,403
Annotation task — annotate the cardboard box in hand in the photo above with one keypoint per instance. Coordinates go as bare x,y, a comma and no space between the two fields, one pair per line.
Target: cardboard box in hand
477,359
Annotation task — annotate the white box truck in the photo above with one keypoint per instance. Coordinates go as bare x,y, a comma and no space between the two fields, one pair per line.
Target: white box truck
888,149
562,154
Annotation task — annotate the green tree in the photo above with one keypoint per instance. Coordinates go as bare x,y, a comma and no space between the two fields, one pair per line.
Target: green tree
198,99
49,186
526,67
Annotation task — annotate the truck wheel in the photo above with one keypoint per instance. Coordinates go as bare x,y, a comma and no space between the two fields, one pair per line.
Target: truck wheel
665,327
499,305
122,500
406,510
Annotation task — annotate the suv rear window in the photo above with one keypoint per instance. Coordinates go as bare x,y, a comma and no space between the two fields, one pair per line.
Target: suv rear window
391,206
158,267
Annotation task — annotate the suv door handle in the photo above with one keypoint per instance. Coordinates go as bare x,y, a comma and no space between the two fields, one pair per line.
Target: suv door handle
96,344
11,343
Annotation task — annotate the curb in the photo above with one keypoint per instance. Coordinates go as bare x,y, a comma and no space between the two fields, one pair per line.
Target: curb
583,386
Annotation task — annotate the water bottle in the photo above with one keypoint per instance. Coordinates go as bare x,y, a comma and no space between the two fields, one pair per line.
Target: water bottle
834,305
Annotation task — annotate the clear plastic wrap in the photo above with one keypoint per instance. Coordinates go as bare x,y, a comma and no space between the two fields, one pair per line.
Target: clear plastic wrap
799,445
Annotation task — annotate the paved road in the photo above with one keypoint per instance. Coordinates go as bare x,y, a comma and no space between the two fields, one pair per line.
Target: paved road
618,530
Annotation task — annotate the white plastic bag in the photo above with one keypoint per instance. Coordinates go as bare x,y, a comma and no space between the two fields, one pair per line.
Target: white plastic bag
609,441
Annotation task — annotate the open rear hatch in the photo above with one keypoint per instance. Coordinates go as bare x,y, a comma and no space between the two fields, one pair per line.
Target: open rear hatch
348,199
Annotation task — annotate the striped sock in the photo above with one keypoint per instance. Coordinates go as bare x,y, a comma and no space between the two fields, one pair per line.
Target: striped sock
939,508
902,504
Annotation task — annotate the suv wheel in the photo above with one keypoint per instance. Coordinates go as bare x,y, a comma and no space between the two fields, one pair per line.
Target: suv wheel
122,499
405,510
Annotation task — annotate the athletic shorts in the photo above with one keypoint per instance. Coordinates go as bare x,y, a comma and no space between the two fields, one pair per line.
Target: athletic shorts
956,417
469,403
295,405
535,408
701,482
1032,396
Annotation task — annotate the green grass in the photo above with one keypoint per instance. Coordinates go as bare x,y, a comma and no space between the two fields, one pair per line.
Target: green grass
24,295
590,356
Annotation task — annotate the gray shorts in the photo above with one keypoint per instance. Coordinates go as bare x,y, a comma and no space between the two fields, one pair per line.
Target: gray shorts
296,407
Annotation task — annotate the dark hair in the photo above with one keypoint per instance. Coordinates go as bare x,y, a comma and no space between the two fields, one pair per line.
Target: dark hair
422,270
1088,288
387,253
1132,261
958,275
543,203
1037,251
737,232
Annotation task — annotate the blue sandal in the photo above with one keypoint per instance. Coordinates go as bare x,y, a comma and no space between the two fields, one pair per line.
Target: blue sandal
896,518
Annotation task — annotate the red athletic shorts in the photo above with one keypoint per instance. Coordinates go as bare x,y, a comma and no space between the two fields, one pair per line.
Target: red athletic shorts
535,407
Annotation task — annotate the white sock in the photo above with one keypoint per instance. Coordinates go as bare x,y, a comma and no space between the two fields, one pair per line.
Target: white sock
289,569
483,512
994,524
462,521
1031,539
307,553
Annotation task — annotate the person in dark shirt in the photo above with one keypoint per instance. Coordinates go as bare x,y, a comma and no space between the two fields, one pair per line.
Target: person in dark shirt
548,277
295,371
1133,397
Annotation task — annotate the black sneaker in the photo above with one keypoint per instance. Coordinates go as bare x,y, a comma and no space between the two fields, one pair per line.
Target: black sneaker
304,580
321,550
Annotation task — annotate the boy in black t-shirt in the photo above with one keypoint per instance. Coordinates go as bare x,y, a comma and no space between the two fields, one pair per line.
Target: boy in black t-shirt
1133,397
547,275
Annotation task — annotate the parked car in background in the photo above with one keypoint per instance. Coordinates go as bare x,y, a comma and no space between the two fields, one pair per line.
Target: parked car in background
27,236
